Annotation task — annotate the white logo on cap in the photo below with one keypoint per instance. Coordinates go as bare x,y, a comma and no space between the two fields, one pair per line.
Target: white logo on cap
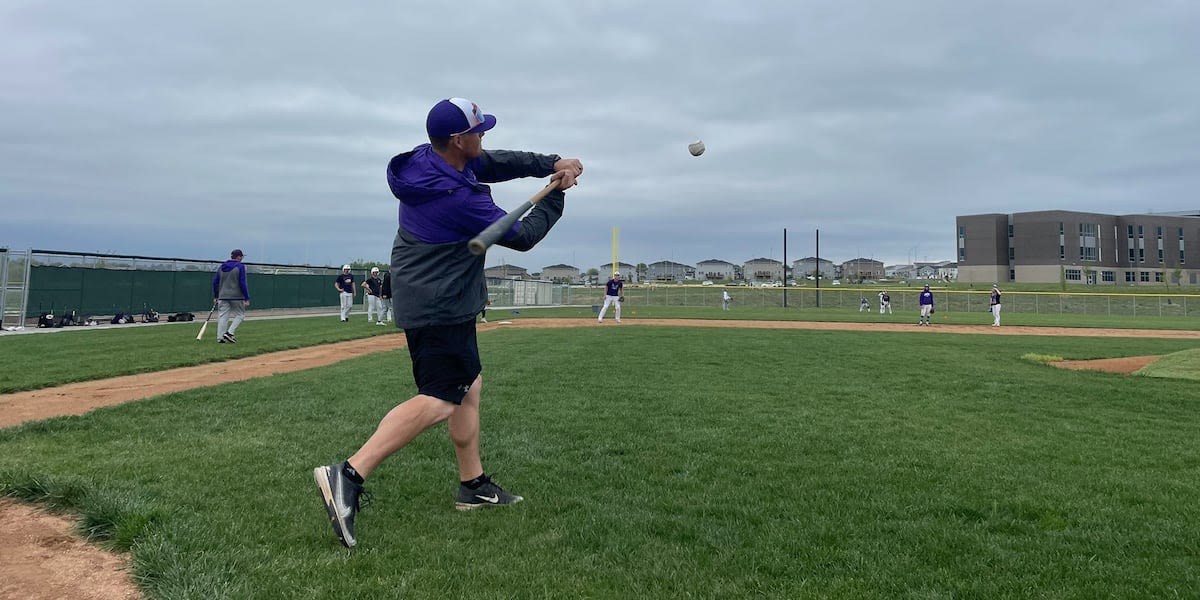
470,110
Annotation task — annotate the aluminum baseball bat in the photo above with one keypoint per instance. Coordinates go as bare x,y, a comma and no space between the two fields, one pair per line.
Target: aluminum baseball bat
205,325
480,243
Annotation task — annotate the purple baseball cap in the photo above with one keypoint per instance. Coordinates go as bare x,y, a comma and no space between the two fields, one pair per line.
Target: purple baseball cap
236,253
453,116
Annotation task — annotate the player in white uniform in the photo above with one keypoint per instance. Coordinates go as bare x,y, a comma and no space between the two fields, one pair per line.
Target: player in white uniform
612,295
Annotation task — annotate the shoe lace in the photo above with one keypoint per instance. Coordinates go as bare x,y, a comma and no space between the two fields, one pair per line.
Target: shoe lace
363,499
486,479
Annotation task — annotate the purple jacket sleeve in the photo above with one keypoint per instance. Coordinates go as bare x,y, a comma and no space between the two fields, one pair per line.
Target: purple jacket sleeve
242,281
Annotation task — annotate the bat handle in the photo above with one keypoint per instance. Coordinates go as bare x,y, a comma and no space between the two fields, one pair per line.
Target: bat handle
494,232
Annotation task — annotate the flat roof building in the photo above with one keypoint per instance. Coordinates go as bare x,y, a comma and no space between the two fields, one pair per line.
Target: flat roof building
1079,247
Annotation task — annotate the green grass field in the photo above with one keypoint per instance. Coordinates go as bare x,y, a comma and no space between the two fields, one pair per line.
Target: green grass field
662,462
41,360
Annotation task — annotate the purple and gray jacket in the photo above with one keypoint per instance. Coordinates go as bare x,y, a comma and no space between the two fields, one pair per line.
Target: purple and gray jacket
437,280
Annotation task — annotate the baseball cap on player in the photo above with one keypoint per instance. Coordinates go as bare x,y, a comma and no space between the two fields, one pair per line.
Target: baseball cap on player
616,273
236,253
374,269
453,116
345,267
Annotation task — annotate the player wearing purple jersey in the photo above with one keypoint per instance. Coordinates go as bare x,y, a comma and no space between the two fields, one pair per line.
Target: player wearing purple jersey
444,201
612,295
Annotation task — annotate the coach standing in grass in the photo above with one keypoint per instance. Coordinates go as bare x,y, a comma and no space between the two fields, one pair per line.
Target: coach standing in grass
344,284
440,287
231,296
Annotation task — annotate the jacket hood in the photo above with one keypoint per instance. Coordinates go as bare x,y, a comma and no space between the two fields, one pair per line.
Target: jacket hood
420,176
230,265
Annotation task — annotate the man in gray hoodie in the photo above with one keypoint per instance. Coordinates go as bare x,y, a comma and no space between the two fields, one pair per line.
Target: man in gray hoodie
230,296
440,287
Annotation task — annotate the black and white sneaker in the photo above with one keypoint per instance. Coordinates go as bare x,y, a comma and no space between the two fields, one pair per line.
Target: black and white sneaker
228,338
487,494
340,496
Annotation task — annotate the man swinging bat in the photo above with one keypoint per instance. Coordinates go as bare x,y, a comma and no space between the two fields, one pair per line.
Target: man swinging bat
439,288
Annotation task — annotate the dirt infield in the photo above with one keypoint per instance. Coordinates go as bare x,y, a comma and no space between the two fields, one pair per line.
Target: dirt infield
41,558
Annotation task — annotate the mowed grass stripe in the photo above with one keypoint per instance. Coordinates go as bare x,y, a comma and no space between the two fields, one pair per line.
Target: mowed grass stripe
38,361
664,462
35,361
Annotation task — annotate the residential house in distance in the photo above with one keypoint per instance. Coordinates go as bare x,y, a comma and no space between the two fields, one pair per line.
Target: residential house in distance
812,266
861,269
504,271
715,270
561,274
947,270
925,270
1079,247
762,270
665,270
628,271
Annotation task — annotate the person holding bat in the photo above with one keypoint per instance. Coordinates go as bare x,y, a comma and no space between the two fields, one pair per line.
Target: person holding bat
230,296
445,202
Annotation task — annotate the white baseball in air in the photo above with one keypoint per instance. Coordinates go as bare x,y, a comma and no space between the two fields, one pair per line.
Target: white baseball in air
696,148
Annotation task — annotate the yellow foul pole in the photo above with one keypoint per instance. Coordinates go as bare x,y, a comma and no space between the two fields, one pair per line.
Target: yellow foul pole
614,260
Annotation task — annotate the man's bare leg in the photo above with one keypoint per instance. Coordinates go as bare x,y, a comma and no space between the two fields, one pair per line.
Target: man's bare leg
399,427
464,432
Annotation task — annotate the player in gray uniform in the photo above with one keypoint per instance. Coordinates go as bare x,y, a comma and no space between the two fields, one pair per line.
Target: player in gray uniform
231,296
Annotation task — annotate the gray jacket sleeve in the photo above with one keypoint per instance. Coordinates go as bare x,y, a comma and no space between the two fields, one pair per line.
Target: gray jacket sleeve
537,223
502,165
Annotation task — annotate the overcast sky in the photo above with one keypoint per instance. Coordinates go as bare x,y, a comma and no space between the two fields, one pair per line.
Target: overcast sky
186,129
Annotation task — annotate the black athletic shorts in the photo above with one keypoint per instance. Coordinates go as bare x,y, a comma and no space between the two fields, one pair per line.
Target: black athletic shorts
445,359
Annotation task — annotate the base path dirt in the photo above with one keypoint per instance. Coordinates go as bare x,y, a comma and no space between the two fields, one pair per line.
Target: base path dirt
1125,365
40,557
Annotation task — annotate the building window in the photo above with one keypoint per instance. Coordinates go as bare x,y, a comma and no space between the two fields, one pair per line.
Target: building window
1089,241
1073,275
1141,255
1129,277
962,254
1108,277
1062,251
1010,230
1012,274
1158,277
1160,255
962,231
1181,245
1012,254
1144,276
